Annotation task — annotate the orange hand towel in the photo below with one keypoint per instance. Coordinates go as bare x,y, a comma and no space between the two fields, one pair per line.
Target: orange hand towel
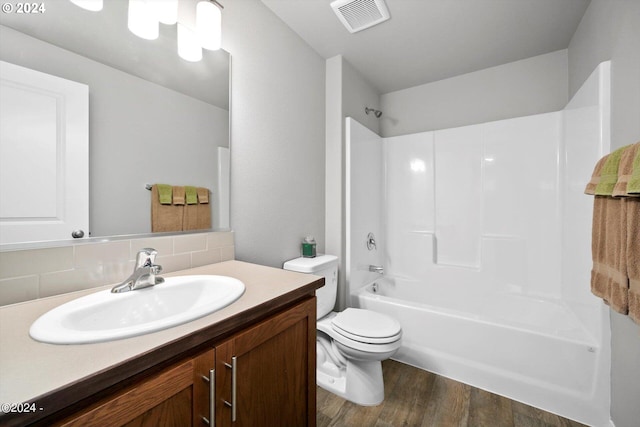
203,195
204,208
178,195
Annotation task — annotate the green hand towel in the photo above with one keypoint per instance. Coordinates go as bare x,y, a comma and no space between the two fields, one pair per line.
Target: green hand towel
192,195
165,193
633,187
609,175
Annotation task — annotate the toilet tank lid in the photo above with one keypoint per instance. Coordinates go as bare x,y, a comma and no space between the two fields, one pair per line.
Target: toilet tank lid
311,265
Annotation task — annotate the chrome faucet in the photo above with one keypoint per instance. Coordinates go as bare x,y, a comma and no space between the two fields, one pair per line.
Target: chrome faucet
144,274
376,269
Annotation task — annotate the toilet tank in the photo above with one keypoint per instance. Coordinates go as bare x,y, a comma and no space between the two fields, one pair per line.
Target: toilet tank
322,265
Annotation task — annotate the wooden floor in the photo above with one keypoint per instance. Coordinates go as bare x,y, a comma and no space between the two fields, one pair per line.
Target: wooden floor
414,397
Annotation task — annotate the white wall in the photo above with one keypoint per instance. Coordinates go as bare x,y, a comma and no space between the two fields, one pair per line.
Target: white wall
347,94
334,172
531,86
139,133
277,133
610,29
358,94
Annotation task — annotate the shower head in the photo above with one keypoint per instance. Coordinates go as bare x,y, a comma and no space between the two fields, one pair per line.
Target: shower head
375,112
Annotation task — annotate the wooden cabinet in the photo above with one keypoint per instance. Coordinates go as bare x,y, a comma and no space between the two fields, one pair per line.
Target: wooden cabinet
169,397
264,375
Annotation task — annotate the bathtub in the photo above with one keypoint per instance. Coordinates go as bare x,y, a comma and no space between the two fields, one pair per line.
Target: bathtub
532,350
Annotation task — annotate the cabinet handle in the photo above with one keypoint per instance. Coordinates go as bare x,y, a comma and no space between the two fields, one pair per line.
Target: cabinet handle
212,398
233,405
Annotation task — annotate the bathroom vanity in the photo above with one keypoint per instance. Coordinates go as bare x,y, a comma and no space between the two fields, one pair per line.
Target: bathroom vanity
250,363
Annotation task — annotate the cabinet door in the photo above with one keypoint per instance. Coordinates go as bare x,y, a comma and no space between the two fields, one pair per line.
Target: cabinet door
177,396
274,368
163,399
204,388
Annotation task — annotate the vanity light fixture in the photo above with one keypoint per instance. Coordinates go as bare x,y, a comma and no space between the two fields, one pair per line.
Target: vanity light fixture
144,18
207,33
92,5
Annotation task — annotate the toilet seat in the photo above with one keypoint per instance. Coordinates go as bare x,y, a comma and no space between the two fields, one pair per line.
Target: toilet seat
366,326
360,343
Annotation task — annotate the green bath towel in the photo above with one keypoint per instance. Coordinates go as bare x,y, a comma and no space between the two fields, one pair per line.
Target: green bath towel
192,195
609,175
165,192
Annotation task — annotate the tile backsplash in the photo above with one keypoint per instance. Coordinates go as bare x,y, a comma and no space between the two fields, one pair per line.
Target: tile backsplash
28,274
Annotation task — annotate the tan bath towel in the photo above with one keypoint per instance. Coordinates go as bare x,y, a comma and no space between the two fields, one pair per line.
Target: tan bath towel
595,176
608,247
633,257
204,208
198,216
190,221
625,170
164,217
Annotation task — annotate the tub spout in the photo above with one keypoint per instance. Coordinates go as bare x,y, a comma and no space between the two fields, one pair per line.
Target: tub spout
376,269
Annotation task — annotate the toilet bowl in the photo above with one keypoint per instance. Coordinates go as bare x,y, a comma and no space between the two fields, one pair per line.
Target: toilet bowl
351,344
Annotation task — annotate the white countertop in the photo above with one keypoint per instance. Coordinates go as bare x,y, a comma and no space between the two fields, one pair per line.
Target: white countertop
30,369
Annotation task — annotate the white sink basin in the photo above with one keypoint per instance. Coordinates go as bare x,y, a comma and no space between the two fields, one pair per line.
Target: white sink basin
107,316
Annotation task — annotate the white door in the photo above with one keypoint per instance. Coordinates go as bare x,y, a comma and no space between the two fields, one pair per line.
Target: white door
44,156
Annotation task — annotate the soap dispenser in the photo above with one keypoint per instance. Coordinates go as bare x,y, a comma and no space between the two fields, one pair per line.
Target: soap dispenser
309,247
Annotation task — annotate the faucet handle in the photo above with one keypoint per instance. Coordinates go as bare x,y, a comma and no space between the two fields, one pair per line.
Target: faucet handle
371,242
146,257
376,269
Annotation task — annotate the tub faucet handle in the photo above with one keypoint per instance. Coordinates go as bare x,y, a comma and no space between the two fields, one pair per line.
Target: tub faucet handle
371,242
376,269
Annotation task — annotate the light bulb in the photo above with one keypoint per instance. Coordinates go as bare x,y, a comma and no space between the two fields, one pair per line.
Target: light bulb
209,25
142,19
188,44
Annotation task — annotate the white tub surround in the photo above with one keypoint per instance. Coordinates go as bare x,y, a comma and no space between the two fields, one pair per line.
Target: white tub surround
484,234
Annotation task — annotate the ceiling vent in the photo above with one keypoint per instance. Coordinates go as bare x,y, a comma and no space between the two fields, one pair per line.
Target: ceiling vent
357,15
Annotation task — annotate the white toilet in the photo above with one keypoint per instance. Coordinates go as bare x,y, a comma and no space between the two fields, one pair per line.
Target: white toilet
350,344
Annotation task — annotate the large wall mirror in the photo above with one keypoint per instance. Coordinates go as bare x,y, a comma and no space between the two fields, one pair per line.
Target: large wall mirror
153,117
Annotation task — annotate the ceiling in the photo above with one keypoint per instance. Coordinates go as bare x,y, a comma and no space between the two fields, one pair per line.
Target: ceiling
430,40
